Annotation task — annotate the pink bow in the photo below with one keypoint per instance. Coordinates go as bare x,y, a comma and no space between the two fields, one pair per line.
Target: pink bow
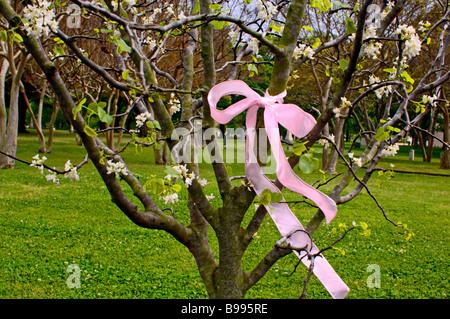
299,123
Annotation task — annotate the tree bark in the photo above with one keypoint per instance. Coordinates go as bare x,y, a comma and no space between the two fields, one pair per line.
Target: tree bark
445,160
10,141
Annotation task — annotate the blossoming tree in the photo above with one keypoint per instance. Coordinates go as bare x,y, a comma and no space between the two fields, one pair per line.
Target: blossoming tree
138,36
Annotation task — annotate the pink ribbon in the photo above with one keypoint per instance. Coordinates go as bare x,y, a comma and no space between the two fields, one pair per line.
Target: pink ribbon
299,123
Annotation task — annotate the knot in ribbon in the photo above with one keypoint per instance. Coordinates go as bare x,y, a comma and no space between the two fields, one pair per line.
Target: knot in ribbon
299,123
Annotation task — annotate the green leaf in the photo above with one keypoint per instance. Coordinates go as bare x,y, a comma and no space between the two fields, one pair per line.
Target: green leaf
247,1
59,41
391,70
157,125
215,7
266,197
299,148
307,28
343,64
101,105
322,5
123,46
308,163
4,36
17,38
276,197
90,131
350,24
176,187
407,77
78,108
252,67
156,186
381,134
59,51
218,24
103,116
93,107
126,74
393,129
317,42
196,7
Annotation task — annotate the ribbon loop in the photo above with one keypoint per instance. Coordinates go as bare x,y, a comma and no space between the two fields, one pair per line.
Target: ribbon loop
299,123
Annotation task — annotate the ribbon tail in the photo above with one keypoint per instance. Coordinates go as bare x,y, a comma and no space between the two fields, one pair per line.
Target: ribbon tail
286,175
285,220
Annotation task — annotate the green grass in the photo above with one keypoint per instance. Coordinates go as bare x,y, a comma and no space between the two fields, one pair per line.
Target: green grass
44,228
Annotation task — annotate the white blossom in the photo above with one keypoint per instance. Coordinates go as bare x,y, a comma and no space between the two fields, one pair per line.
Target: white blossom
52,176
151,43
345,102
325,142
266,10
303,50
116,168
181,15
170,199
234,36
391,150
429,99
412,41
372,50
385,90
181,169
423,26
125,3
38,162
184,172
71,171
142,118
358,161
253,45
209,197
170,10
39,18
174,104
189,178
203,182
390,5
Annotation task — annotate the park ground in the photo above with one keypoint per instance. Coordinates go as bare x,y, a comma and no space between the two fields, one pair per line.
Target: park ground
45,228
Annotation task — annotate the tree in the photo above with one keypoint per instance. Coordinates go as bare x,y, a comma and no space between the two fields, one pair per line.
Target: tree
15,62
139,35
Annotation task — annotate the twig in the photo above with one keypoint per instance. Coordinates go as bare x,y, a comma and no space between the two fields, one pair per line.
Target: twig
86,159
359,181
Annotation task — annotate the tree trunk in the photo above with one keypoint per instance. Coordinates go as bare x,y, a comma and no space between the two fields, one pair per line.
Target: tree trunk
10,141
3,114
338,138
445,160
326,147
430,139
37,123
51,127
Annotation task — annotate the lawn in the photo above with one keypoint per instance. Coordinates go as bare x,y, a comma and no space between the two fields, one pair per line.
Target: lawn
44,228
